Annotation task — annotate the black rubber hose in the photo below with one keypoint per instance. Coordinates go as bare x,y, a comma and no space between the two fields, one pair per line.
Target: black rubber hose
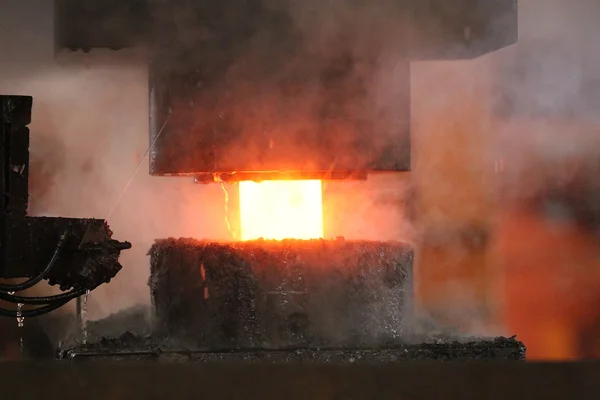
34,281
43,300
32,313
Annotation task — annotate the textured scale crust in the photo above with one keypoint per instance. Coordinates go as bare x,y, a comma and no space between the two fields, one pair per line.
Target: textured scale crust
277,294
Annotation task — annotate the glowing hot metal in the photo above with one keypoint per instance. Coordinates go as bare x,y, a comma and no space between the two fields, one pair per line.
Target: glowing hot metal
281,210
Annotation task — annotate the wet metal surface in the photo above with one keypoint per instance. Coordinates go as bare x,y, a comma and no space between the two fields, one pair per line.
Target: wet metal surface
276,294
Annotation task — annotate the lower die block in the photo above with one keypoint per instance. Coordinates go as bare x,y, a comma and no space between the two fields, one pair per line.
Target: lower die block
281,294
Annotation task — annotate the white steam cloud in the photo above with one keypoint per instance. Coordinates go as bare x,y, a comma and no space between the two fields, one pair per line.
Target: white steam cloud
90,128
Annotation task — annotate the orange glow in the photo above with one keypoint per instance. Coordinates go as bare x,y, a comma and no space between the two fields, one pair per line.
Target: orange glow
281,210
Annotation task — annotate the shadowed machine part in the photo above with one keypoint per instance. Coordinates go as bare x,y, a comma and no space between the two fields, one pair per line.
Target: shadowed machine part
259,99
72,253
240,88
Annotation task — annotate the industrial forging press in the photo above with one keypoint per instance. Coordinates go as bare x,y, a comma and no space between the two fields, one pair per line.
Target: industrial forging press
245,93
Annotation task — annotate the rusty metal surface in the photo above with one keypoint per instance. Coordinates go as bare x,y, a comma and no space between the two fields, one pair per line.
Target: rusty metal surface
147,381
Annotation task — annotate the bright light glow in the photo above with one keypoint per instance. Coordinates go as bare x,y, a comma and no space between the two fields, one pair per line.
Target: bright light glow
281,210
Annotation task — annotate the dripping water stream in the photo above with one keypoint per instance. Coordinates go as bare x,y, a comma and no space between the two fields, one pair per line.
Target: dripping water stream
84,318
218,179
20,323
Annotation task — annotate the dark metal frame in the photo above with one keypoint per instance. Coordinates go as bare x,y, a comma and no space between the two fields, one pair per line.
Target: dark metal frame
196,131
75,253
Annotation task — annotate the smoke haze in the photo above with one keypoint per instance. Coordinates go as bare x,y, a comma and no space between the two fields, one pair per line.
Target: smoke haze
470,119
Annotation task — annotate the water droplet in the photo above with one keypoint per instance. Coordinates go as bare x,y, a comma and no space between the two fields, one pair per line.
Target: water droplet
20,318
20,321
